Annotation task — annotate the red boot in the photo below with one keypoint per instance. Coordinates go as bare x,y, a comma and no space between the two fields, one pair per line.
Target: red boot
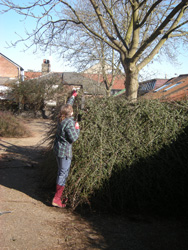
57,198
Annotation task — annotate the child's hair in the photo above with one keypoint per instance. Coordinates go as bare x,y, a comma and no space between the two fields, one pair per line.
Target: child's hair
65,111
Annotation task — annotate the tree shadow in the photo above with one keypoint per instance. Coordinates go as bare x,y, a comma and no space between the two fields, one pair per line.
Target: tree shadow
19,168
136,233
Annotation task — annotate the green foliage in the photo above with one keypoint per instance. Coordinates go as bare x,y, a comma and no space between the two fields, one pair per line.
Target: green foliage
10,126
127,155
35,92
28,92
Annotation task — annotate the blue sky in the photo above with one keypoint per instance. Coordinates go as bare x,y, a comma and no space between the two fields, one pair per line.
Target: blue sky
11,23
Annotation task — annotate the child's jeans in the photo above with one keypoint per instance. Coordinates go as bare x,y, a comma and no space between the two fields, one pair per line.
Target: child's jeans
63,170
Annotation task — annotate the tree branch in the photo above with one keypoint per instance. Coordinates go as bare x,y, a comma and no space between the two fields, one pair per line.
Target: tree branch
163,40
149,11
115,25
156,33
136,29
115,46
117,43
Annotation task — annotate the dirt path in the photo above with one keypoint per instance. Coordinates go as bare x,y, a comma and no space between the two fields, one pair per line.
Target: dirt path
31,224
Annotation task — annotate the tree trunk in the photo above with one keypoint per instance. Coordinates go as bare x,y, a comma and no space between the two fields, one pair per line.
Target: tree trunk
131,84
131,81
108,92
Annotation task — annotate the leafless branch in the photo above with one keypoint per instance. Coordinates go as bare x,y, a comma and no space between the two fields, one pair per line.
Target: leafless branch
159,30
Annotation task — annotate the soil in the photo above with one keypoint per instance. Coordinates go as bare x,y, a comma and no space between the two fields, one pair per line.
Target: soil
30,222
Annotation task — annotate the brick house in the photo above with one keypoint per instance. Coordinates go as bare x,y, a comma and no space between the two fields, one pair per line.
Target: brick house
9,70
174,89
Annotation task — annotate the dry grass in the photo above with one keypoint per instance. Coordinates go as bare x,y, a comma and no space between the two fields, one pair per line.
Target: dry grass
11,126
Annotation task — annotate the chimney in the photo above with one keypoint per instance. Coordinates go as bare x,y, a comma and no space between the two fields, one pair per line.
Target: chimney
45,67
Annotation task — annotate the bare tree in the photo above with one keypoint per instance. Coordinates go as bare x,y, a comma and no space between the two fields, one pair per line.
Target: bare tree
139,31
85,50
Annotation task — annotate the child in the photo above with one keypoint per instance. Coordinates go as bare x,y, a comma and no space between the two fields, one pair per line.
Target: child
67,133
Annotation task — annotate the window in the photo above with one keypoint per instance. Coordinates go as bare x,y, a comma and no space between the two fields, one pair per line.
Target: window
148,86
172,86
162,87
151,85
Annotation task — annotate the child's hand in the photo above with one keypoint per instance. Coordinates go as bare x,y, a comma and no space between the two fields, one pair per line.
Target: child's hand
74,93
77,125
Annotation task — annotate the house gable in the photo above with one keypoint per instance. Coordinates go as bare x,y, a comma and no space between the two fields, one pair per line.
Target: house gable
8,68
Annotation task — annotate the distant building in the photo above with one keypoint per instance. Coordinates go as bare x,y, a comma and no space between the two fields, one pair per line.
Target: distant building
89,86
45,69
9,70
174,89
118,84
149,85
95,73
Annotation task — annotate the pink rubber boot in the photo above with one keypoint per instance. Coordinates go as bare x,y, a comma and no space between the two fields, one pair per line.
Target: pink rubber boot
56,202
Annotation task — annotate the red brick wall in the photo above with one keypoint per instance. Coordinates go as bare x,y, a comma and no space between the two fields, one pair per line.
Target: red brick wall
8,69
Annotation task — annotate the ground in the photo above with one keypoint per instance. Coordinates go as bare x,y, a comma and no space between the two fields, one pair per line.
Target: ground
30,222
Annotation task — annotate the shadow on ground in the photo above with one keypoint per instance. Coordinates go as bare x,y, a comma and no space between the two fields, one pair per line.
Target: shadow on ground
19,171
138,233
19,168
